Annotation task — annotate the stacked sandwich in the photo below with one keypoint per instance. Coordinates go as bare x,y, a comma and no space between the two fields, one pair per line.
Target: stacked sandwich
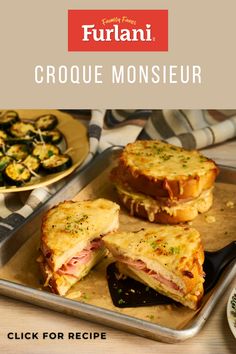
71,240
164,183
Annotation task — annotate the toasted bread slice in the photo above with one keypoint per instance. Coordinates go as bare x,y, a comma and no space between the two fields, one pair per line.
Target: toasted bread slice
159,169
163,211
167,258
68,228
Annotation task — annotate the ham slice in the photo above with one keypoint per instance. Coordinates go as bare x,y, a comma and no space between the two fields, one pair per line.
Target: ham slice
140,265
83,257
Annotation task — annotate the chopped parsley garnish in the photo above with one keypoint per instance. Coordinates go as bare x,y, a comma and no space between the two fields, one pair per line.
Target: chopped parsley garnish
121,302
166,157
153,244
158,150
82,219
74,225
119,291
50,153
174,250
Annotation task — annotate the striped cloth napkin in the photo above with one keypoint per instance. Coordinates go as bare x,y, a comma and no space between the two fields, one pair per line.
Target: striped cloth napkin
192,129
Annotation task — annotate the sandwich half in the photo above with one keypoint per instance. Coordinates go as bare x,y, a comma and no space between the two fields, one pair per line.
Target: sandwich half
71,240
169,259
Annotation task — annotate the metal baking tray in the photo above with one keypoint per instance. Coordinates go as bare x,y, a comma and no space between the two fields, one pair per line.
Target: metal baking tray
132,324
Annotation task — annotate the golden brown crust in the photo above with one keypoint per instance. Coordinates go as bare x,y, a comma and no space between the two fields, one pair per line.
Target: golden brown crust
158,215
47,252
182,186
194,271
47,283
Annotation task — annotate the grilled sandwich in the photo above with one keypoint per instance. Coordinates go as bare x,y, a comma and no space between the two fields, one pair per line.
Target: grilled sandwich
169,259
164,183
71,240
159,169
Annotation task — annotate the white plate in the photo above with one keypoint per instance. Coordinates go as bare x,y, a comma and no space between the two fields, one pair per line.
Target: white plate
231,312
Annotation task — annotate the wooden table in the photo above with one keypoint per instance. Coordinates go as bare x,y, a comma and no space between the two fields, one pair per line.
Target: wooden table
15,316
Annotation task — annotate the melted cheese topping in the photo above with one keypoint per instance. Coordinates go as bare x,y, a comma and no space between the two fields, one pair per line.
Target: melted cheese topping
44,122
158,160
7,116
18,172
3,135
44,151
21,129
55,161
152,206
18,151
54,134
31,162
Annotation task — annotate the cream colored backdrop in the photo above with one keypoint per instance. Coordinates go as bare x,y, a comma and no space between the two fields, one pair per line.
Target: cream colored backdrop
35,32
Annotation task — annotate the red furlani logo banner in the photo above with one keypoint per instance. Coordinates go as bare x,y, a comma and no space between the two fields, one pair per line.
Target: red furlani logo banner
117,30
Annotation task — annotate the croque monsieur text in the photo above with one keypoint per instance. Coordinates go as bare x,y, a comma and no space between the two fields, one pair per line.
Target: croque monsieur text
118,74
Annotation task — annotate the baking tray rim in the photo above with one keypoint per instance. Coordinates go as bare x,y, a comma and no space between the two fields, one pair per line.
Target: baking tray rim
109,317
114,319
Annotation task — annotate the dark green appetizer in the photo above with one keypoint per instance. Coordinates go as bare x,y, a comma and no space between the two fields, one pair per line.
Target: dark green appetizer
32,163
46,122
7,118
24,140
28,148
51,136
44,151
22,129
18,152
57,163
16,174
4,162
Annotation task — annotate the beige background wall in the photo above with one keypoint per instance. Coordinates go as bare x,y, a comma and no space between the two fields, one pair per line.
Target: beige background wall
35,32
